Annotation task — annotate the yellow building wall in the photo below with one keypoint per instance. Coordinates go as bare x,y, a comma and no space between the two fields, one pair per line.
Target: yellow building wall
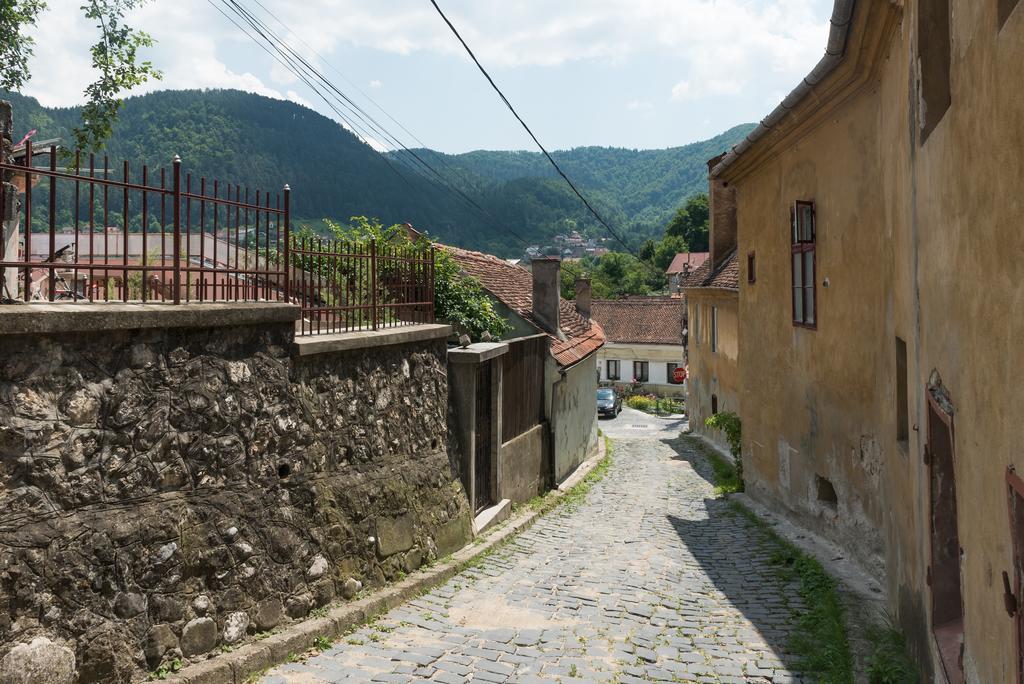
968,208
712,372
924,242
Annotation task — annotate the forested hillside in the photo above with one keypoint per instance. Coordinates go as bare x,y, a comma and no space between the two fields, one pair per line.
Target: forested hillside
264,143
645,185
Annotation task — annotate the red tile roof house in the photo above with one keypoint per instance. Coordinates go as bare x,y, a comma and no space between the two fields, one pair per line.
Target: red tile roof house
530,301
682,266
645,342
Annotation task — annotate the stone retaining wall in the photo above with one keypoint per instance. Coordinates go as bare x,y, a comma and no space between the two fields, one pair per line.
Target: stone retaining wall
165,493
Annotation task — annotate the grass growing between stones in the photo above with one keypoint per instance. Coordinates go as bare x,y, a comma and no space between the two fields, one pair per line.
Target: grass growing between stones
819,643
576,494
727,478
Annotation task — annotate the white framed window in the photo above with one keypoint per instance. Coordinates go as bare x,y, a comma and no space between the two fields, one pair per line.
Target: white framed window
612,369
640,371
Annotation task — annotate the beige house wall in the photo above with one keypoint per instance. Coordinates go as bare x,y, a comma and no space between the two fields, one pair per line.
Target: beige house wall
712,373
919,241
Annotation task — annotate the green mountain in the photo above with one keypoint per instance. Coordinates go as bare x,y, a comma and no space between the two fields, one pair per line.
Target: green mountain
645,186
264,143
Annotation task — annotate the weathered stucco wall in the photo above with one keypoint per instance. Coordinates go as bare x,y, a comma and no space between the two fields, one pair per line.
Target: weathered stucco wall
575,416
810,408
167,491
713,373
919,241
968,211
524,465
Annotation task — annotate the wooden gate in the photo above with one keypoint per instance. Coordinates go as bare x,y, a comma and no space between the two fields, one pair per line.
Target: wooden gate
522,381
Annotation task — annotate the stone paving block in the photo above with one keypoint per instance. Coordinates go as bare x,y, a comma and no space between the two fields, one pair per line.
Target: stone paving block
650,578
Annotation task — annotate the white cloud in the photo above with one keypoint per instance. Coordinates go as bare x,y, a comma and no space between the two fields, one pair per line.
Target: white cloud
189,51
680,50
639,105
776,33
298,99
681,90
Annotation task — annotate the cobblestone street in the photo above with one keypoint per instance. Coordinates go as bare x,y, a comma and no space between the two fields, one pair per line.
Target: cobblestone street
649,579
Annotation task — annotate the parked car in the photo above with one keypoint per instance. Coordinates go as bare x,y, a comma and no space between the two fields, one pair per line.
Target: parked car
609,402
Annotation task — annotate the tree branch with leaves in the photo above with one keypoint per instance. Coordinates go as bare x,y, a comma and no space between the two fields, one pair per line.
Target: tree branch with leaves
115,56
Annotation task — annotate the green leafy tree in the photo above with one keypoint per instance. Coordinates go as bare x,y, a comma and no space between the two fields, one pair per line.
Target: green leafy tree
15,15
458,299
691,222
462,301
114,56
647,250
571,271
666,250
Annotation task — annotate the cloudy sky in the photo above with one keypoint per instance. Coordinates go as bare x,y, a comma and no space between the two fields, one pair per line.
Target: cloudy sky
625,73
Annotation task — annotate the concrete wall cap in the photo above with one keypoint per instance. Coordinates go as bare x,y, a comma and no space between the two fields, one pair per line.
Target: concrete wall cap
477,353
308,345
29,319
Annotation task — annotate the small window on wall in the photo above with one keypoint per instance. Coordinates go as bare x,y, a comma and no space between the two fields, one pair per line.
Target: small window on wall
640,373
612,369
714,330
714,404
751,268
696,325
933,58
803,265
670,370
1006,8
902,418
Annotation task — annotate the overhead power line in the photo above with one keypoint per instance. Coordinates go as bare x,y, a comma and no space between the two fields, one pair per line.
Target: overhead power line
512,109
279,49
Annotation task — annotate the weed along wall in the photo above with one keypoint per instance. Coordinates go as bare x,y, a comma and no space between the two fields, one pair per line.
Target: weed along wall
176,480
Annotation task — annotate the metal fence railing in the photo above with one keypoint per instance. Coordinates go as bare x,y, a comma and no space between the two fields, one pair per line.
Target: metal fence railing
91,232
345,285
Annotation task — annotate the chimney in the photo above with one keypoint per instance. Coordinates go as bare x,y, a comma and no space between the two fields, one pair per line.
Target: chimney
546,276
722,210
583,297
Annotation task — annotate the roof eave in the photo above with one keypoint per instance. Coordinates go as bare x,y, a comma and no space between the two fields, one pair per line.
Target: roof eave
835,51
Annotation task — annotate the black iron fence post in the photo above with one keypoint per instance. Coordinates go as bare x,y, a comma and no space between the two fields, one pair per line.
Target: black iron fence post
430,285
176,209
373,281
287,244
28,221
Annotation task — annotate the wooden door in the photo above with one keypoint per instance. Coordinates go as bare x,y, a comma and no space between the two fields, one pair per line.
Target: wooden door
1012,583
944,571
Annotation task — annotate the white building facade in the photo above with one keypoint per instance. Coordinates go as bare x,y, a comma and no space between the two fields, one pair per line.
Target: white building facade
644,343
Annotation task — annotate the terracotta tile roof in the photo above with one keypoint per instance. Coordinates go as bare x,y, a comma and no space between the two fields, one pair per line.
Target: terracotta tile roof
513,287
725,277
693,259
640,320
